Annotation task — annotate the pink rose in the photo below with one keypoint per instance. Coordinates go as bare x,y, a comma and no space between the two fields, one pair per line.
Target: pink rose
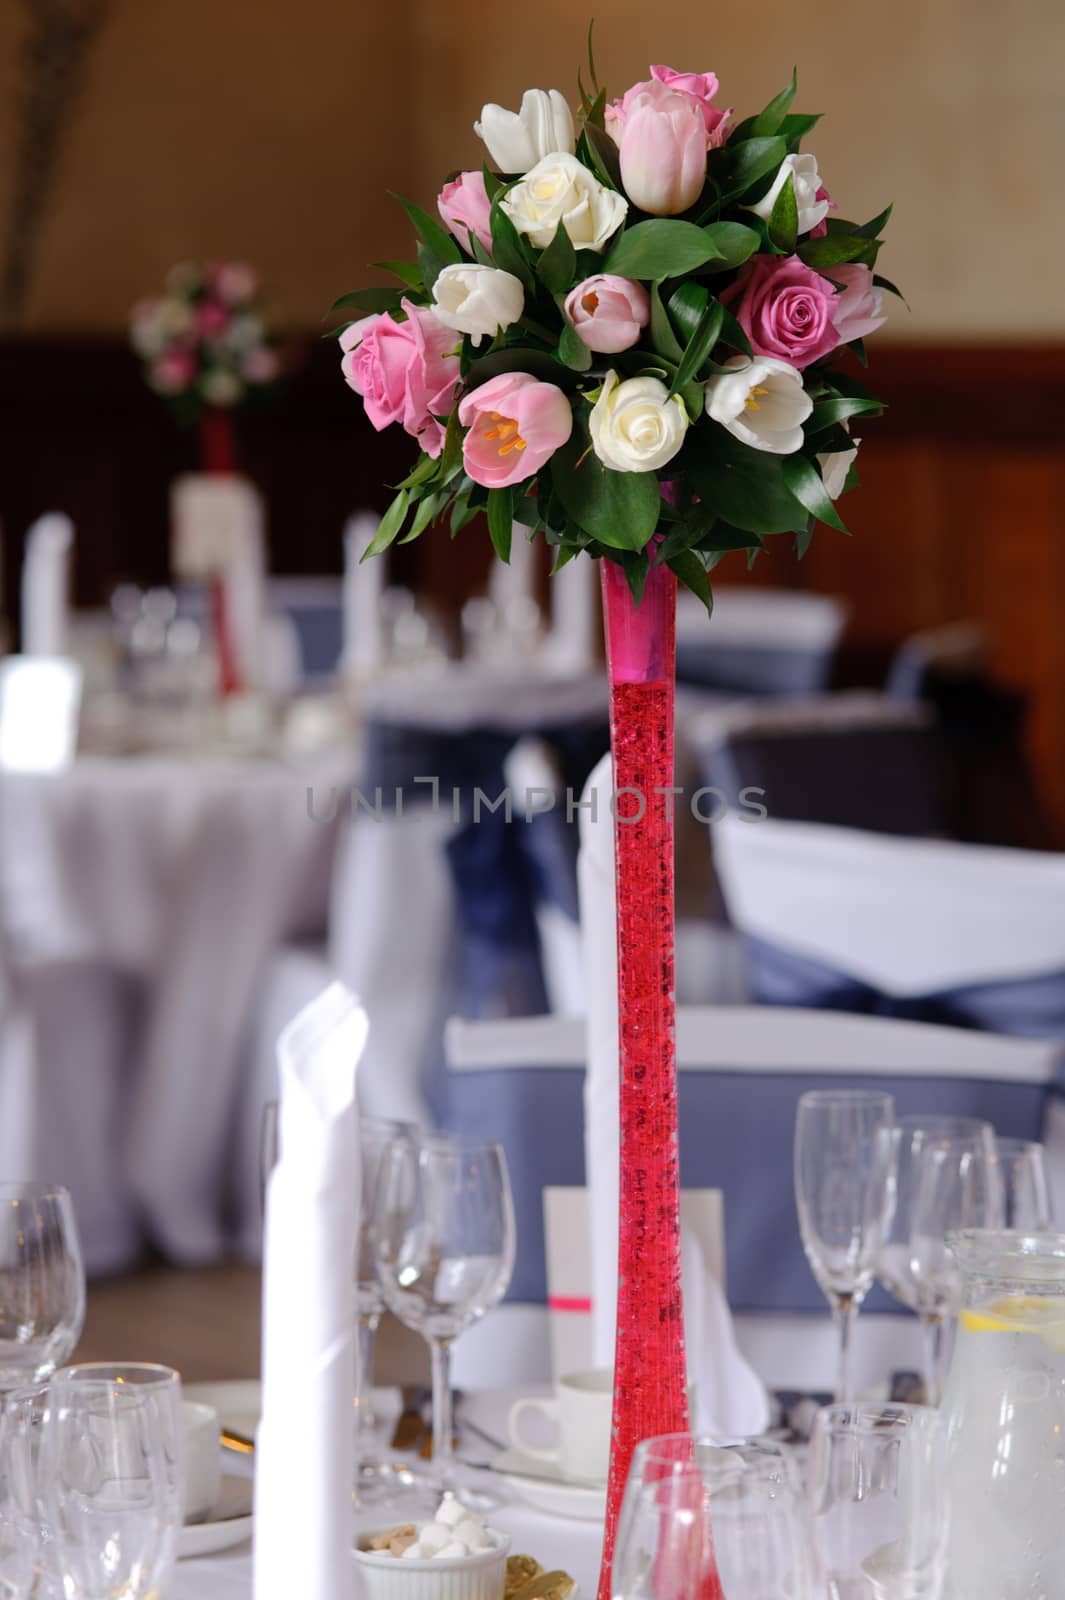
465,207
234,282
819,229
406,372
515,424
608,312
858,308
211,319
782,307
173,372
698,86
663,150
260,365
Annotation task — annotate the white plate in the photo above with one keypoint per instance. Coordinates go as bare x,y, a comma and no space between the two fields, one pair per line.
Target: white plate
543,1487
226,1524
238,1402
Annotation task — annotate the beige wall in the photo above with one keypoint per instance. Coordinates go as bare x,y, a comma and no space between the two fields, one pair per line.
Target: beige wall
271,129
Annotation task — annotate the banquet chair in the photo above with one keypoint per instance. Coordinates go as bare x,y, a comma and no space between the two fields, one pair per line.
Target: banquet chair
530,1082
314,607
764,642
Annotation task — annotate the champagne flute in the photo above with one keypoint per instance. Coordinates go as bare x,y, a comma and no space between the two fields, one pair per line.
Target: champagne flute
956,1186
878,1500
845,1193
443,1248
42,1282
1026,1200
911,1136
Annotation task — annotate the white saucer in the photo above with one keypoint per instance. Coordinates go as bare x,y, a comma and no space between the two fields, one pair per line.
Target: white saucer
228,1523
542,1486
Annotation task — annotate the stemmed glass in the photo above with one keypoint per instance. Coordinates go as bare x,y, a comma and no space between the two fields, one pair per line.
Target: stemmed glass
956,1184
845,1193
42,1282
443,1247
375,1136
1026,1200
879,1501
911,1136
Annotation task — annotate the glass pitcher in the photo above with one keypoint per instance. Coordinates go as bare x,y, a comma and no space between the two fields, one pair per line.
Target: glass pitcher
1005,1408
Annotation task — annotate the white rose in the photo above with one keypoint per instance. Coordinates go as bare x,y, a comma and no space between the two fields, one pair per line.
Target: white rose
477,300
517,140
221,388
635,427
835,465
761,402
807,181
561,189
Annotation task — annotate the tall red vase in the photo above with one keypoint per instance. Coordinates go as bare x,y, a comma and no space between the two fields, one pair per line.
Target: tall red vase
650,1373
218,449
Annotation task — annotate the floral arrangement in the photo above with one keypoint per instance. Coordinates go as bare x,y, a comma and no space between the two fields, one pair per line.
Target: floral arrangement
625,334
205,342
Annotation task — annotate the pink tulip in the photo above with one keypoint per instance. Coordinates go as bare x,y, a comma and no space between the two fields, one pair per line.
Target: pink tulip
465,208
515,424
406,372
858,308
608,312
783,307
173,372
663,151
701,87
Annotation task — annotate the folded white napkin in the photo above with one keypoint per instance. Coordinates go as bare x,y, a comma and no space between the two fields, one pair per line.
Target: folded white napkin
304,1452
730,1397
364,584
46,585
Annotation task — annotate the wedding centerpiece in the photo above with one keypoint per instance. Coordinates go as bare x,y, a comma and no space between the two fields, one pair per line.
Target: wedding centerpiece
635,336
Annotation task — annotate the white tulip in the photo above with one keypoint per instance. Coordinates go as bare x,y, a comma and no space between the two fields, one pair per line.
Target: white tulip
561,189
635,427
761,402
477,300
835,465
517,140
807,181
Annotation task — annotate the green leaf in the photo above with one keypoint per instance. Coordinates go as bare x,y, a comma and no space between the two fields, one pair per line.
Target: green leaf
769,121
723,537
389,526
573,351
699,345
687,305
833,250
733,335
451,455
508,252
873,229
500,520
480,254
599,152
408,271
493,183
426,512
596,110
424,469
620,509
564,555
734,241
798,124
591,55
738,167
368,300
784,219
839,407
886,283
558,263
433,235
745,487
689,570
663,338
636,568
803,540
660,248
804,481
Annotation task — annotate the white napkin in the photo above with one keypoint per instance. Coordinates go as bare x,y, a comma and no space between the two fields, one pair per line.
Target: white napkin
46,585
305,1443
364,585
730,1397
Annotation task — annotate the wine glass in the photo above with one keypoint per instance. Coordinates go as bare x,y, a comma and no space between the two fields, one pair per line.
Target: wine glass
375,1136
845,1193
1026,1200
443,1246
703,1517
956,1185
112,1470
910,1136
877,1486
42,1282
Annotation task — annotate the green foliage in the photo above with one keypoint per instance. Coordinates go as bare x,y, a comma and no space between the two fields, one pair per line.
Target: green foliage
659,249
804,481
557,265
784,218
620,509
500,520
508,250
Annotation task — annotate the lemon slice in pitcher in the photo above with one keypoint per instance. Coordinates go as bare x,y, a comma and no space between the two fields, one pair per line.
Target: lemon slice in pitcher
1022,1313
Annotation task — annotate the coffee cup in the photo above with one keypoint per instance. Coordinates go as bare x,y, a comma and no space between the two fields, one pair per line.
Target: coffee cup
581,1413
203,1460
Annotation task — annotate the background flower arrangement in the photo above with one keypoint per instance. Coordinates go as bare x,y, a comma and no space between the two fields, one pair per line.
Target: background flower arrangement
622,338
205,342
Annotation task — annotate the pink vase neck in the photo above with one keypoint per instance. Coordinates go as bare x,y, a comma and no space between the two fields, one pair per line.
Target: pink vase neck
640,638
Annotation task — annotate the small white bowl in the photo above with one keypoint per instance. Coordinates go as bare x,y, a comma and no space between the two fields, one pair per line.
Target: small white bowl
477,1577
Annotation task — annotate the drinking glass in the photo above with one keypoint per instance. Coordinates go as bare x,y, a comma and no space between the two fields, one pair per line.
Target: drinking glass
42,1282
22,1520
877,1485
956,1185
910,1136
707,1517
1026,1205
443,1247
375,1136
845,1193
112,1470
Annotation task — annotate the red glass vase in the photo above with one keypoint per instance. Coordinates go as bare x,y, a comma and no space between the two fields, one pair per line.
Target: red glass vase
650,1372
218,449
